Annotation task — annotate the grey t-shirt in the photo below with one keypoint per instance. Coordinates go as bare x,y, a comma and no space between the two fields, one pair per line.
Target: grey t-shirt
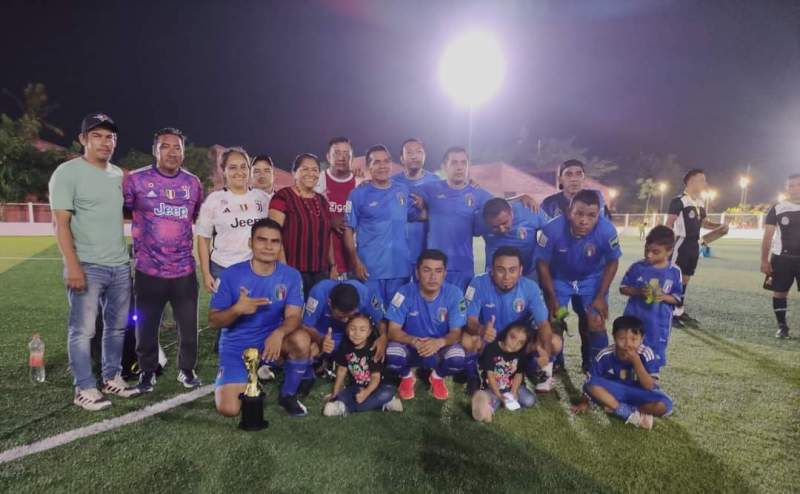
94,197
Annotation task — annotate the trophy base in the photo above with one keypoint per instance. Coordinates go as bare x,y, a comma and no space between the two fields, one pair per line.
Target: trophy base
252,415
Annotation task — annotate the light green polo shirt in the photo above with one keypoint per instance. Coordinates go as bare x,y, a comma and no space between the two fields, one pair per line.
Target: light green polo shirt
94,197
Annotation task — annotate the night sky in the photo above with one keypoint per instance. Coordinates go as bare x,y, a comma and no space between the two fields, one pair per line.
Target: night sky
716,82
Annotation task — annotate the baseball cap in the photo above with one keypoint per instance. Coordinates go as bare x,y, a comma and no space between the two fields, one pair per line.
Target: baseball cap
570,164
94,120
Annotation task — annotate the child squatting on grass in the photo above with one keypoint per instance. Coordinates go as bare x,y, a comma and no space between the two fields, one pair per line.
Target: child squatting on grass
503,378
621,378
366,390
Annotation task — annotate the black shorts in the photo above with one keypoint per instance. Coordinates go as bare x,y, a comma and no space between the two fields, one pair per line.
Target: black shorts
686,255
785,272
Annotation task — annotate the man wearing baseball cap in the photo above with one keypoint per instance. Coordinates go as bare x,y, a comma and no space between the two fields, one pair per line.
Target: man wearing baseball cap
86,200
571,176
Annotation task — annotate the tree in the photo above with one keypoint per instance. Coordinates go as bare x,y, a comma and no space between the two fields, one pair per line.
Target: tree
197,160
135,159
647,187
35,109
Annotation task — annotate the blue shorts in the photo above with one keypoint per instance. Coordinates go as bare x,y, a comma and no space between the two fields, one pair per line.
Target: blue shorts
582,293
657,338
626,393
231,366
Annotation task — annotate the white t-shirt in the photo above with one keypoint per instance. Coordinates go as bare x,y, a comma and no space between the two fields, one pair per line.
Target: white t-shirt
227,217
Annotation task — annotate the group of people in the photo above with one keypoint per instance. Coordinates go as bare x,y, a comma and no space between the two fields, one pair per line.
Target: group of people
364,281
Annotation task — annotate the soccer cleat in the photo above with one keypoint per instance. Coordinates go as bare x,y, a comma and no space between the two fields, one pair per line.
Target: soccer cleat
147,380
292,405
189,379
482,407
393,405
783,332
438,387
689,321
677,323
473,385
641,420
265,373
334,409
305,387
91,399
406,388
119,387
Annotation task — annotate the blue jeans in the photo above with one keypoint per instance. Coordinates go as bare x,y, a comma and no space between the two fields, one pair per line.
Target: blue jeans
375,401
108,287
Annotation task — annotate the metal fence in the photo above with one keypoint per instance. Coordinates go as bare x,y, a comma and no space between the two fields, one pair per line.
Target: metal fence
25,212
741,221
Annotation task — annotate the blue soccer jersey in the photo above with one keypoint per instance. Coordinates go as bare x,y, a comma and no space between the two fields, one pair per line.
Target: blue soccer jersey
451,221
609,366
557,204
425,319
416,231
522,235
379,218
524,301
317,311
574,258
282,288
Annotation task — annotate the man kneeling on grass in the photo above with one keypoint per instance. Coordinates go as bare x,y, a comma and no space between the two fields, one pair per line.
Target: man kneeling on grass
258,305
622,378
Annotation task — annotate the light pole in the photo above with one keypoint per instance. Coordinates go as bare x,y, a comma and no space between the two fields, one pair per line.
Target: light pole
744,182
472,69
662,187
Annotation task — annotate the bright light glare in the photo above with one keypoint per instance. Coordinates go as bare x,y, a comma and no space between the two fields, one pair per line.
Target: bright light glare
712,194
744,181
613,193
662,186
781,197
472,68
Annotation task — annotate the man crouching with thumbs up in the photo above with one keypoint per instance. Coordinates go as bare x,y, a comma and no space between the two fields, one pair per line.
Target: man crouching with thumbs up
258,304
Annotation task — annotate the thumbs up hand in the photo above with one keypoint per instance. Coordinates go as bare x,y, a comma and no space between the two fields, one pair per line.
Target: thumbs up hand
327,342
489,333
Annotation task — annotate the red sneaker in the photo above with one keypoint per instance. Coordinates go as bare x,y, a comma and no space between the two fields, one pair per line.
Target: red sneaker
406,388
438,387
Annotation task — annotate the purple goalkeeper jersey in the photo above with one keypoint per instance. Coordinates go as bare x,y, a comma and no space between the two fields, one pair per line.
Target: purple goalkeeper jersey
163,209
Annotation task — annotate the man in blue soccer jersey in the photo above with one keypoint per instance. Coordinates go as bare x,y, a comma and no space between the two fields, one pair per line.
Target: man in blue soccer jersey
578,256
510,224
654,287
571,176
376,217
494,301
258,304
412,158
452,206
622,378
425,321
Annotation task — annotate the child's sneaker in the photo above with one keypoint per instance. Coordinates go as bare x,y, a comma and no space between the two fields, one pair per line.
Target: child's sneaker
265,373
438,387
119,387
91,399
545,386
406,388
642,420
334,409
393,405
482,407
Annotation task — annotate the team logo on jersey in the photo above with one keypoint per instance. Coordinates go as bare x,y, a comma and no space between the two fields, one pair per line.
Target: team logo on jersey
151,194
692,214
522,233
542,239
243,207
470,293
785,220
441,314
589,250
397,300
667,286
187,192
469,200
260,206
462,306
376,303
519,304
614,242
169,193
280,292
623,374
311,305
401,198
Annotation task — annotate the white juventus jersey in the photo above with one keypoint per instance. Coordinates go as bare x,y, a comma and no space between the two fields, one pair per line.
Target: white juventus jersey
785,216
227,217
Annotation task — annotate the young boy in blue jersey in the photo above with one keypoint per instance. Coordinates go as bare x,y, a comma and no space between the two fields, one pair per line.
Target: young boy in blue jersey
258,304
654,287
377,213
354,358
622,378
503,379
510,224
412,157
425,321
498,299
578,256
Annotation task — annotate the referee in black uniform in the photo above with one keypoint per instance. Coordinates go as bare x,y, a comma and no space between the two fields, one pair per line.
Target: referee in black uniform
686,217
782,240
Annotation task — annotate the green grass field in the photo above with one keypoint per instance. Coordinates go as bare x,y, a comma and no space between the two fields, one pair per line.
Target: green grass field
736,426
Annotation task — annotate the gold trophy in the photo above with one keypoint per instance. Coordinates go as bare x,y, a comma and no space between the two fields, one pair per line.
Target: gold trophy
252,418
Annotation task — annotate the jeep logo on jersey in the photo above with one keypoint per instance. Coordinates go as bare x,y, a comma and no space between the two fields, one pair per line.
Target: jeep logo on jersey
401,198
441,314
519,305
589,250
237,223
174,211
469,200
522,233
280,292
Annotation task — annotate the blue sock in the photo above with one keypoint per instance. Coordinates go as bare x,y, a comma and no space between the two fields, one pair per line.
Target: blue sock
293,372
624,411
597,341
471,366
309,373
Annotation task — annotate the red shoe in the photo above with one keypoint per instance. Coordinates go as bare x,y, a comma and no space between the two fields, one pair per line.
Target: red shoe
406,388
438,387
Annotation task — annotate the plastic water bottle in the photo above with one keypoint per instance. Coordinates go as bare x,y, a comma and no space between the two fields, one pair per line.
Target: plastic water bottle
36,358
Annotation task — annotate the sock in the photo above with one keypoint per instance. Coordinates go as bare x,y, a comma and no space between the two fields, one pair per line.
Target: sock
624,411
435,375
779,306
597,340
678,310
471,367
293,372
309,373
548,369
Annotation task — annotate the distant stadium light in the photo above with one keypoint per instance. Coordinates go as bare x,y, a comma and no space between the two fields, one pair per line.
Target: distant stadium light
472,68
781,197
613,193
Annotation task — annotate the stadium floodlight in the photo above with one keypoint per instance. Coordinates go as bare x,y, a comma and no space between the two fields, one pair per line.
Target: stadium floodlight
662,187
613,193
781,197
744,182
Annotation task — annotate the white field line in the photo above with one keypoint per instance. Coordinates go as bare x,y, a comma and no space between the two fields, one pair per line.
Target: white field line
104,426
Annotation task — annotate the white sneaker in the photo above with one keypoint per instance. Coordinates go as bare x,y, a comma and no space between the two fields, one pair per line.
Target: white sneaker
334,409
545,386
393,405
641,420
265,373
119,387
91,399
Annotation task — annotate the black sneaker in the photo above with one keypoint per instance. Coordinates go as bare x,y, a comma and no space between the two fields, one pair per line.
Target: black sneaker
690,321
783,332
146,382
189,379
305,387
473,385
677,323
293,406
